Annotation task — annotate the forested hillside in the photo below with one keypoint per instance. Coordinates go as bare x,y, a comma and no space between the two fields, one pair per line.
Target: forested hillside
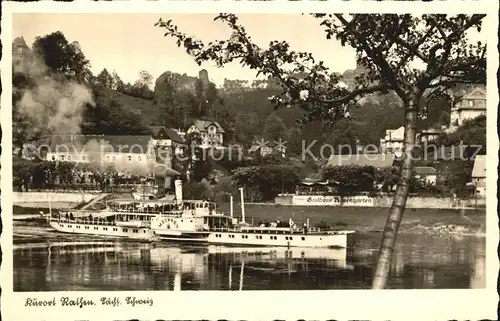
244,110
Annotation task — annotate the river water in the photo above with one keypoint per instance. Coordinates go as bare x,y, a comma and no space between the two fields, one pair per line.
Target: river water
420,262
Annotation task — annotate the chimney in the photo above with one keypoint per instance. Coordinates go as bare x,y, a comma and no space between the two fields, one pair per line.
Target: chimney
178,190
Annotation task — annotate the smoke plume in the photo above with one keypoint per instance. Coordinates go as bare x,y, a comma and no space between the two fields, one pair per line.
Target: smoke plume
53,105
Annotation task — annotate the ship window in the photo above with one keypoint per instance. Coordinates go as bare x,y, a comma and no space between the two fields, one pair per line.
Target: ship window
135,231
96,228
69,225
144,231
86,227
272,238
291,238
303,238
78,226
115,229
125,230
105,228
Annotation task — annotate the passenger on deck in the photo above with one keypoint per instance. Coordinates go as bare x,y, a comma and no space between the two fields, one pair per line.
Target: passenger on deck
305,228
71,216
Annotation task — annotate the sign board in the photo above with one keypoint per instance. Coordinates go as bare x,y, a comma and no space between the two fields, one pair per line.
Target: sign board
348,201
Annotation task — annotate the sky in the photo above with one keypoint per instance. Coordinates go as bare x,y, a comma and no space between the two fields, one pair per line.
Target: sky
129,43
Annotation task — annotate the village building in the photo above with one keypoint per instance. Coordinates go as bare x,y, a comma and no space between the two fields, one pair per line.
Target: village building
479,175
121,150
469,106
428,136
20,51
426,173
126,160
392,143
163,137
211,132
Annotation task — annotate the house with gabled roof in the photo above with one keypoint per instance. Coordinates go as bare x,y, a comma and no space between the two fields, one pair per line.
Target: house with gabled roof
468,106
211,132
426,173
163,137
479,175
392,143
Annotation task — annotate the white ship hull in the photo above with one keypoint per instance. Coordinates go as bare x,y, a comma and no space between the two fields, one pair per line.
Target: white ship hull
338,240
110,230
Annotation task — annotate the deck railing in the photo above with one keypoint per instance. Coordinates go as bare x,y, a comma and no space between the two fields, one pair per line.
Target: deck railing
265,230
99,222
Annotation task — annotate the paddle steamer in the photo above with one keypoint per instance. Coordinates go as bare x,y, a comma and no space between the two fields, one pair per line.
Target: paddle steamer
199,221
120,218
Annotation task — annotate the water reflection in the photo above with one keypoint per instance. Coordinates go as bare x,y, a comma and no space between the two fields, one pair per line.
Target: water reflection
419,262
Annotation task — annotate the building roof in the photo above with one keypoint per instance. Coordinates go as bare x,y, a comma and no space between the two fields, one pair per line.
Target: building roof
202,125
425,170
135,144
476,92
19,42
479,169
375,160
395,134
161,132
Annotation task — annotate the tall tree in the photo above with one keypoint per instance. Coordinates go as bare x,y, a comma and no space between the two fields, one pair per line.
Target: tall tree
389,46
145,79
105,79
60,55
118,83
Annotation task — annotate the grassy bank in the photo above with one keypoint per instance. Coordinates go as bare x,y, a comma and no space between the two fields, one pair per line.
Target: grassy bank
368,219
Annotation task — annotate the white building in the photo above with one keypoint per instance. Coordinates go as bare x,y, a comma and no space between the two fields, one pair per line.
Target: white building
132,152
468,106
479,175
167,137
426,173
392,143
428,136
211,132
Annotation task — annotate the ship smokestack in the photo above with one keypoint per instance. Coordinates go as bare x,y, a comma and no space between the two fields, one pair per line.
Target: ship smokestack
178,190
